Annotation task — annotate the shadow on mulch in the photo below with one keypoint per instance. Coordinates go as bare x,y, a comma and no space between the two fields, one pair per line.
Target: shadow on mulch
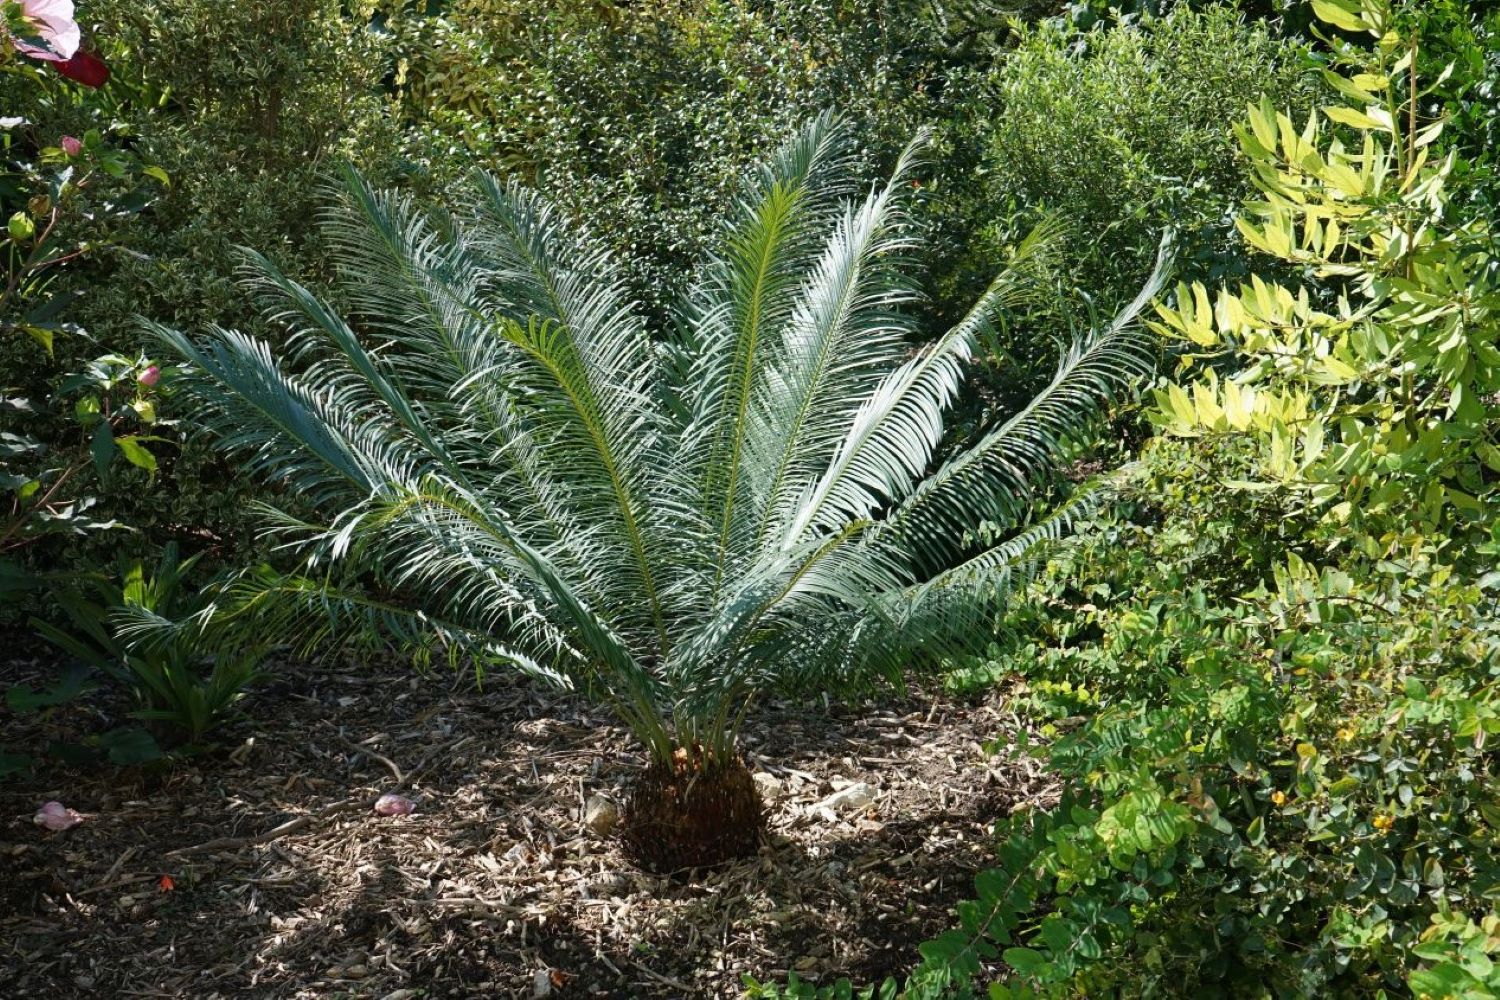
494,887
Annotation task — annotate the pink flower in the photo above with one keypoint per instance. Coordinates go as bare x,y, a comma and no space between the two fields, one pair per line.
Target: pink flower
71,146
150,376
56,816
391,804
52,22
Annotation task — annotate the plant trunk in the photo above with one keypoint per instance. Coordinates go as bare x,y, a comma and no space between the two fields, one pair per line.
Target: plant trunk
695,811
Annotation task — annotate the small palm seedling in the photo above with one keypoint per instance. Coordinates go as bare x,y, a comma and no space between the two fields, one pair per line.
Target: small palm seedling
757,498
177,682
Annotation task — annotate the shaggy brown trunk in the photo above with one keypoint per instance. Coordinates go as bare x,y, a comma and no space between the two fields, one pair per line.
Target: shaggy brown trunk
695,812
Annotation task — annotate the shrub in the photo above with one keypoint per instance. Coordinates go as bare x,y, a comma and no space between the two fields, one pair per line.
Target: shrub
641,119
668,528
1124,132
67,200
246,108
1274,681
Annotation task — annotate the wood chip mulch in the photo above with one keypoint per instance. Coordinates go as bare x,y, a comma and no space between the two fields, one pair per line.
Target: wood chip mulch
262,871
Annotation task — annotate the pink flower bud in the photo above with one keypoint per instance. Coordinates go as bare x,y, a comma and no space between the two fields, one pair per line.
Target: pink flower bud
56,816
71,145
391,804
149,377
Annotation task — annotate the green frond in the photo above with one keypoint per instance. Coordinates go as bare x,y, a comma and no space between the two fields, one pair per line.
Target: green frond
508,470
991,481
849,326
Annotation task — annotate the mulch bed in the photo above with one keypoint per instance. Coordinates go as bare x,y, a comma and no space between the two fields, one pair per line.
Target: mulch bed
284,883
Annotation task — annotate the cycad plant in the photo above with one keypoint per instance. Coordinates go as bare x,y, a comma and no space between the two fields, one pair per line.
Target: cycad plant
755,497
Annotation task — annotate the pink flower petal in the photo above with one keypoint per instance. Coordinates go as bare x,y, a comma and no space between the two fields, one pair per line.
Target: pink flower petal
52,21
391,804
55,816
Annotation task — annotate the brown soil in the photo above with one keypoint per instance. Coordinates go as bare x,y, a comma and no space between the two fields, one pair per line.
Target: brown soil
286,884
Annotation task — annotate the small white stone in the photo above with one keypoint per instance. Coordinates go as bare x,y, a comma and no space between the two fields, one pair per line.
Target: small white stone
600,814
855,796
541,983
768,785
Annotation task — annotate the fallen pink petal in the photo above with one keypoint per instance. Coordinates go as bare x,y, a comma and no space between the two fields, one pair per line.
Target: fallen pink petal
56,817
52,21
391,804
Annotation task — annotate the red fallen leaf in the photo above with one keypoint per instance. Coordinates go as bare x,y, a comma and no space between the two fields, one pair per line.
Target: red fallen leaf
558,977
85,67
166,883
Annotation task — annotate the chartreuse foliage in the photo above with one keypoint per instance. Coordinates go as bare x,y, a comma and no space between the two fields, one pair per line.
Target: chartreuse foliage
1280,664
1375,391
493,432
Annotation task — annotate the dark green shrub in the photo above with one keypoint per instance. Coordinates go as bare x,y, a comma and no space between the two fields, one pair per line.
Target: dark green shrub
640,120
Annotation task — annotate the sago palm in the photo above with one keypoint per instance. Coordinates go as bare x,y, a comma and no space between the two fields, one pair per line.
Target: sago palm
755,497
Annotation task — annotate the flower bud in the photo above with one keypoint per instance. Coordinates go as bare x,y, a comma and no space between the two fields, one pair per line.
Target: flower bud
71,145
20,227
149,377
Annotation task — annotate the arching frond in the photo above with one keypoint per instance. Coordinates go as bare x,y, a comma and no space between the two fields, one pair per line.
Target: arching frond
990,481
849,327
490,433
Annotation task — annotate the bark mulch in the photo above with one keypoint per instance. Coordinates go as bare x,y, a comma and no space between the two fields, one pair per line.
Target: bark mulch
284,883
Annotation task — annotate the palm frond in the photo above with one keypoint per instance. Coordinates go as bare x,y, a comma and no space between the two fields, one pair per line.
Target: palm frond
849,326
991,481
508,470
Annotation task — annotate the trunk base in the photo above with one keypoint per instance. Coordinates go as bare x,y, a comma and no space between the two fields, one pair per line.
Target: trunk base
698,812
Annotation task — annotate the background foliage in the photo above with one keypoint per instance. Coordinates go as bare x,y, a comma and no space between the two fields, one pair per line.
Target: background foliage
1272,674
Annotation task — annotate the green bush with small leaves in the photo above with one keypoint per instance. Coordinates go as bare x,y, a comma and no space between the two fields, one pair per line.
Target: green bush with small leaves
1124,132
639,120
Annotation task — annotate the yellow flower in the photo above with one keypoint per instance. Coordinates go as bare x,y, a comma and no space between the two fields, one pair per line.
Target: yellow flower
1278,797
1384,822
1346,734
